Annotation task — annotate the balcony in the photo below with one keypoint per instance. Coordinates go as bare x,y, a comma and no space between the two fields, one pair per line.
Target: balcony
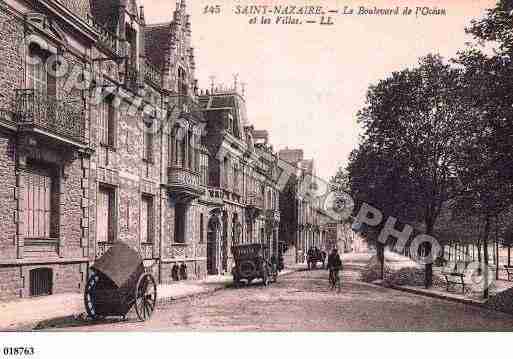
62,120
214,195
184,183
146,251
186,106
102,248
255,201
255,205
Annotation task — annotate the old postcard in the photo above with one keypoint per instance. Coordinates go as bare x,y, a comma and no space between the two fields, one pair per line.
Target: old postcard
255,166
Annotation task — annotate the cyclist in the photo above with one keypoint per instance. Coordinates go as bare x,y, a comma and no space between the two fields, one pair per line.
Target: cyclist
334,266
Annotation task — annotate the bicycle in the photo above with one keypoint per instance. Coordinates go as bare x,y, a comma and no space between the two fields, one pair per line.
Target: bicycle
334,279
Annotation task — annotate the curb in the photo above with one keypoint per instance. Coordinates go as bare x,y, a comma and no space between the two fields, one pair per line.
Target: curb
438,296
32,325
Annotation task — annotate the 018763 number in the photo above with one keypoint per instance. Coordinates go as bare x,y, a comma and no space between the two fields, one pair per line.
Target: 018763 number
18,351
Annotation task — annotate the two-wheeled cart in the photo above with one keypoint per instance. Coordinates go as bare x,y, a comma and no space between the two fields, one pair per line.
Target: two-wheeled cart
118,282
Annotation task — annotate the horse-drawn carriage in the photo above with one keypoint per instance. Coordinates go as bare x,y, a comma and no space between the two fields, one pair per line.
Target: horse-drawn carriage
118,282
251,263
315,256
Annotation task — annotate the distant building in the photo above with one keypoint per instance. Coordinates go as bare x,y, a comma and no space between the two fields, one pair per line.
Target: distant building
303,223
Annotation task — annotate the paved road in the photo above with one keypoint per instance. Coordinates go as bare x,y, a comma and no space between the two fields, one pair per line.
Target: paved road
302,302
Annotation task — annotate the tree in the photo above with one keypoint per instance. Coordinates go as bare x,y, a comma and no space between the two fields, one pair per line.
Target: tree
414,130
485,168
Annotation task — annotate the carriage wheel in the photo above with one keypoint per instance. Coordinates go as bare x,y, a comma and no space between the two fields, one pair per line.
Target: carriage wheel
90,296
145,296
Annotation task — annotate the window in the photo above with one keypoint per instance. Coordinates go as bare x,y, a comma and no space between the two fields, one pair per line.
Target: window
197,145
147,219
38,78
226,170
180,218
40,282
40,204
148,141
236,179
190,159
106,127
201,228
105,215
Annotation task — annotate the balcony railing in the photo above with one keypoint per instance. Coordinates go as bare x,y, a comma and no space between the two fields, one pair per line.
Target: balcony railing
57,117
216,193
102,247
254,200
147,251
183,177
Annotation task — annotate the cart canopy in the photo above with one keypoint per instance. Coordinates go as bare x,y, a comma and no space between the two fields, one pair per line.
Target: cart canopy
119,263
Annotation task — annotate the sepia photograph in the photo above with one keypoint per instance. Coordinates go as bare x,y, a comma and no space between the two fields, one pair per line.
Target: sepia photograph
265,167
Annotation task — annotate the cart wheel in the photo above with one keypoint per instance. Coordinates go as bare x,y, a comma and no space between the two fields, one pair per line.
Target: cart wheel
145,296
90,297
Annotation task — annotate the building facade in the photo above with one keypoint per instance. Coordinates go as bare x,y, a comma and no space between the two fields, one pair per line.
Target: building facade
105,137
304,224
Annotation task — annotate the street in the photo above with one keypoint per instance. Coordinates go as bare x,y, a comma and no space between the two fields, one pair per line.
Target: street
302,301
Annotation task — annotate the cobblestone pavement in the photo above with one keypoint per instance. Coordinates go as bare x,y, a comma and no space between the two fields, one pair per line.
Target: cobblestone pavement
303,302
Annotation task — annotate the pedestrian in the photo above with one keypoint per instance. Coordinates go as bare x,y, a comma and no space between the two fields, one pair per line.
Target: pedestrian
334,267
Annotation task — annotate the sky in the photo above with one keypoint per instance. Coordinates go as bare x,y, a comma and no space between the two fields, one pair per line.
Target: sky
305,83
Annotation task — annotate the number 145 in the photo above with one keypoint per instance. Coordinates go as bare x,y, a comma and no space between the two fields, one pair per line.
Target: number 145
212,9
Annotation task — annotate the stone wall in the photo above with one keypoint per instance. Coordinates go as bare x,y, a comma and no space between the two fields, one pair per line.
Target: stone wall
12,58
7,196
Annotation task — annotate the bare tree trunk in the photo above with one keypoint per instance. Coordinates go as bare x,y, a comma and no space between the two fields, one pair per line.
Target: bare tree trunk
428,277
497,256
485,253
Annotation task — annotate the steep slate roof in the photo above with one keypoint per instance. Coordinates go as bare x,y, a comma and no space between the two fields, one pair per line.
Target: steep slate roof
105,12
157,39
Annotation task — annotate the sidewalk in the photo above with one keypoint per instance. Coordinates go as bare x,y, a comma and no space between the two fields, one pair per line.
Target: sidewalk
501,292
27,314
